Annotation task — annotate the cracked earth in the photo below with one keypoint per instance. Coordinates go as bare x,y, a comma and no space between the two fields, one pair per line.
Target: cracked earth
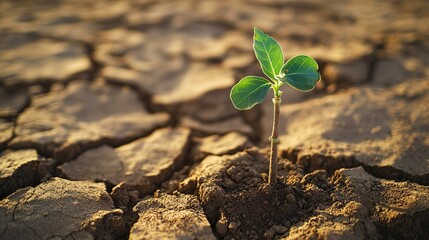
116,122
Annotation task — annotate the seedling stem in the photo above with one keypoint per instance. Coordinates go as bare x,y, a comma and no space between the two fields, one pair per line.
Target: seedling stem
300,72
272,173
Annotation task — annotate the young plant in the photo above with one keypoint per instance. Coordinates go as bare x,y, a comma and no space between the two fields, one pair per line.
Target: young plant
299,72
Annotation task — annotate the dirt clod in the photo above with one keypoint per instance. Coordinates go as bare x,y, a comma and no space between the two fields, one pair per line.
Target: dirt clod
22,168
378,128
86,115
141,164
6,133
220,127
397,209
77,209
219,145
23,63
171,217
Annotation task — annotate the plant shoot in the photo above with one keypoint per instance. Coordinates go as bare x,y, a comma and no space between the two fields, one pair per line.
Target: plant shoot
299,72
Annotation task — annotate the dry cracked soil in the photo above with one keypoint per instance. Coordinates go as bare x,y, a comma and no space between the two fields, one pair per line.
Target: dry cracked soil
116,122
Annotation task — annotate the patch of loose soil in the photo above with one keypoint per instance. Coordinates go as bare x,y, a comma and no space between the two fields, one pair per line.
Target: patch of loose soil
262,211
339,221
240,205
266,211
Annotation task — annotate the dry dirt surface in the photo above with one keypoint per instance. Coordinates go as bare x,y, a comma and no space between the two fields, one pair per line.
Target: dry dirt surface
116,122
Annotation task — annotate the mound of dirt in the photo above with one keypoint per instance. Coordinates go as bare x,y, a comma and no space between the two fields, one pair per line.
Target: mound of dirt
240,205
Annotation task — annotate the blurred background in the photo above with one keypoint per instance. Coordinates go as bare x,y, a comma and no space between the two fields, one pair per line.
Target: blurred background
183,56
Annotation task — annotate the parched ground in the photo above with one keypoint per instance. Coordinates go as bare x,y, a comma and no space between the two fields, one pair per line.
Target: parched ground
116,122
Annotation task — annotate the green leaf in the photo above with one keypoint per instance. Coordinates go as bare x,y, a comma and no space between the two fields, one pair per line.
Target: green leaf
268,52
300,72
250,91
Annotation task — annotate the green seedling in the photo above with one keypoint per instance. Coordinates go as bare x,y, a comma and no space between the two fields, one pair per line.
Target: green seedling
299,72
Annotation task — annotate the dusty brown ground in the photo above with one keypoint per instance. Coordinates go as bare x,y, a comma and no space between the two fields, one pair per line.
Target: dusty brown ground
116,123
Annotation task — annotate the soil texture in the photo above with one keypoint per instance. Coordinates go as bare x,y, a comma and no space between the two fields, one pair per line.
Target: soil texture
116,121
